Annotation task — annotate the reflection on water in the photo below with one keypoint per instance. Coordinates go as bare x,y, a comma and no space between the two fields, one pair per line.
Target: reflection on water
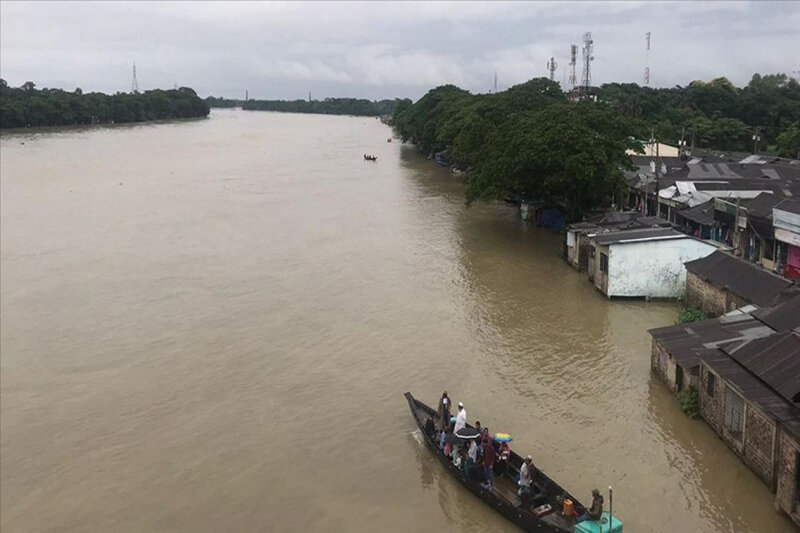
209,326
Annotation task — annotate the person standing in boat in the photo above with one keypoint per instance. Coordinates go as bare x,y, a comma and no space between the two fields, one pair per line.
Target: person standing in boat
595,511
525,480
461,418
487,447
443,412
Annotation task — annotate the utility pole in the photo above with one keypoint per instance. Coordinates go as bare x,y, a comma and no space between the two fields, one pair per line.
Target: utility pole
756,138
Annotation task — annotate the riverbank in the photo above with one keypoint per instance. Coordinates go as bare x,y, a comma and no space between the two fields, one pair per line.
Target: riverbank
26,106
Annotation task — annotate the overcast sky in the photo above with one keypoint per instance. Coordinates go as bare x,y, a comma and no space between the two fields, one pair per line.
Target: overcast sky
384,50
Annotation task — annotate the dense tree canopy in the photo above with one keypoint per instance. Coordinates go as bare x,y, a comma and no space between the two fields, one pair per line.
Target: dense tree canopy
717,114
328,106
27,106
531,141
528,141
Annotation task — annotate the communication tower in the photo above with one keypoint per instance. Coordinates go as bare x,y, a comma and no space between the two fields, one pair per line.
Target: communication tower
495,81
552,66
134,83
647,61
588,48
573,55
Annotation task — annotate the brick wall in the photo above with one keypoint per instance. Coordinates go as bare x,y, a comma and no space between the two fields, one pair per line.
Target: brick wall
660,365
699,293
786,497
711,406
759,443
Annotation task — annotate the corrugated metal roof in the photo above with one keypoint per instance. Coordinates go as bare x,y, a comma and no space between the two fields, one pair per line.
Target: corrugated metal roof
775,360
687,343
761,205
739,277
701,213
755,390
782,317
621,237
792,206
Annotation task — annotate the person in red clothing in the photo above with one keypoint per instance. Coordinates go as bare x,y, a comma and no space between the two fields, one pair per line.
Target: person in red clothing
487,449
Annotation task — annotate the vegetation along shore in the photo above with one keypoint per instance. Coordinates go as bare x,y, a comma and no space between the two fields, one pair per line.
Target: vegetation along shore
26,106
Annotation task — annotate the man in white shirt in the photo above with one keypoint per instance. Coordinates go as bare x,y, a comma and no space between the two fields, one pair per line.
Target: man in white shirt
461,417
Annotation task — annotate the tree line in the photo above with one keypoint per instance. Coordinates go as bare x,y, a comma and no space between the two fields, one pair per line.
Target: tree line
329,106
26,106
533,141
716,114
529,141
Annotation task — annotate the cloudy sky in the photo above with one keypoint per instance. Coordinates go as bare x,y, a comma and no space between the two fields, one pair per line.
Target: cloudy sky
383,49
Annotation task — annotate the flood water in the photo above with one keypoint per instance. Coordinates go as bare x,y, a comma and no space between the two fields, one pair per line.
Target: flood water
210,325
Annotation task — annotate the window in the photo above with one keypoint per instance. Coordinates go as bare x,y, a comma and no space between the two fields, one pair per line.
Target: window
710,378
603,263
734,407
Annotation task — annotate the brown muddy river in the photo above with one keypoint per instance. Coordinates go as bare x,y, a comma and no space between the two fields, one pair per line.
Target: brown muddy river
210,325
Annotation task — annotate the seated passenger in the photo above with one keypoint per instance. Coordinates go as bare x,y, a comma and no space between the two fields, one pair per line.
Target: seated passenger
430,427
596,510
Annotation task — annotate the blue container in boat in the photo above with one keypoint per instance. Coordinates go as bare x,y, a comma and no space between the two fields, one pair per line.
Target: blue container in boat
594,526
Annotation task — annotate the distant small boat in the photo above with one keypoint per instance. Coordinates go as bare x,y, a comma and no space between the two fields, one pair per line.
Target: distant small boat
370,157
389,140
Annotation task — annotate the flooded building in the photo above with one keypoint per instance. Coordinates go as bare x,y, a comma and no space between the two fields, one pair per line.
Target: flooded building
677,350
745,367
719,283
645,263
749,395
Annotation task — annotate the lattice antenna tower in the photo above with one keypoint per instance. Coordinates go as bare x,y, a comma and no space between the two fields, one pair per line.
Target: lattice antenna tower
647,61
134,82
588,57
573,56
552,66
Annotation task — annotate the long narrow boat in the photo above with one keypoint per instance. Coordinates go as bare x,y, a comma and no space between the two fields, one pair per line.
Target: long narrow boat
503,498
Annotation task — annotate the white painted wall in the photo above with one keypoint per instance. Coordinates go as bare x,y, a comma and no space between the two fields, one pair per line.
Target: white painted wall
652,268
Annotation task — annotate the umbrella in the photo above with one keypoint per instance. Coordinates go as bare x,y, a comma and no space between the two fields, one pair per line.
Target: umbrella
462,435
502,437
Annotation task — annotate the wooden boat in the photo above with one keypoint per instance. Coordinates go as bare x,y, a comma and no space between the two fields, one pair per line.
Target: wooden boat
503,498
370,157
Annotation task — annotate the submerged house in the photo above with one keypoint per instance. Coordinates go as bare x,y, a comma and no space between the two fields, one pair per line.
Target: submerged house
677,350
644,263
578,247
745,366
719,283
749,395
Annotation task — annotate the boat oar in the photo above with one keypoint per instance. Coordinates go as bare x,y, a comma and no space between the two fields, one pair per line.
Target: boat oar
610,510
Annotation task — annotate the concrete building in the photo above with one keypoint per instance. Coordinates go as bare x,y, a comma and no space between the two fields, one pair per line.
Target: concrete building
578,247
645,263
719,283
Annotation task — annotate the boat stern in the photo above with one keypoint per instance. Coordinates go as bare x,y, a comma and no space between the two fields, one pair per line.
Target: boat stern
599,526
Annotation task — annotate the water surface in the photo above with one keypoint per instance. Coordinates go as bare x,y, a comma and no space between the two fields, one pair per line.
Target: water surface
209,326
